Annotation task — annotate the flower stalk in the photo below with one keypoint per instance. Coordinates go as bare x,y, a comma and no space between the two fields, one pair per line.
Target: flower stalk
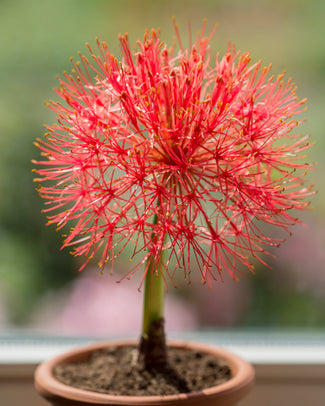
154,294
152,348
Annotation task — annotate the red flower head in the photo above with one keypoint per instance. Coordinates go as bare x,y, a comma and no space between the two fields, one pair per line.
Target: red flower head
175,153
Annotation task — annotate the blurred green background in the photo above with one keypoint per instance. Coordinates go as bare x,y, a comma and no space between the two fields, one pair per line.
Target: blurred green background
37,38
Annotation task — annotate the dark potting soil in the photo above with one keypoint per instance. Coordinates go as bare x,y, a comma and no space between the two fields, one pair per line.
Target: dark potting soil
116,371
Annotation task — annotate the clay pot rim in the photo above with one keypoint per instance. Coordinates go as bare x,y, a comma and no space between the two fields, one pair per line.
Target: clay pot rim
236,387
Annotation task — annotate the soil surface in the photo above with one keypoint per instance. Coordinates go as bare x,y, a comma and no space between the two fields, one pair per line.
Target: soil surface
116,371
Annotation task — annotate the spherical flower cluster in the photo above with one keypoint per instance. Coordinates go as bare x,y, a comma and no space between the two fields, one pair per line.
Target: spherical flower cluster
180,154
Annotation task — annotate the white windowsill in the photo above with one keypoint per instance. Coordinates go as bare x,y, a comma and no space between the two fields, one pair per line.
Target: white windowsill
290,366
257,347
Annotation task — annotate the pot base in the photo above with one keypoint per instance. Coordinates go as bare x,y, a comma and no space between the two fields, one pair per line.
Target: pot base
227,393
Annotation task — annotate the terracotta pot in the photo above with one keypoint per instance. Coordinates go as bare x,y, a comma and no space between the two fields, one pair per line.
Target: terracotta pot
228,393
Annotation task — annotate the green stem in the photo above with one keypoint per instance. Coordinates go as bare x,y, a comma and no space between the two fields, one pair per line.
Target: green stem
154,297
152,349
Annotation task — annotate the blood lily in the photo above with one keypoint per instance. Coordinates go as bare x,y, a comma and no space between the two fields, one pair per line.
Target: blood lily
180,154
